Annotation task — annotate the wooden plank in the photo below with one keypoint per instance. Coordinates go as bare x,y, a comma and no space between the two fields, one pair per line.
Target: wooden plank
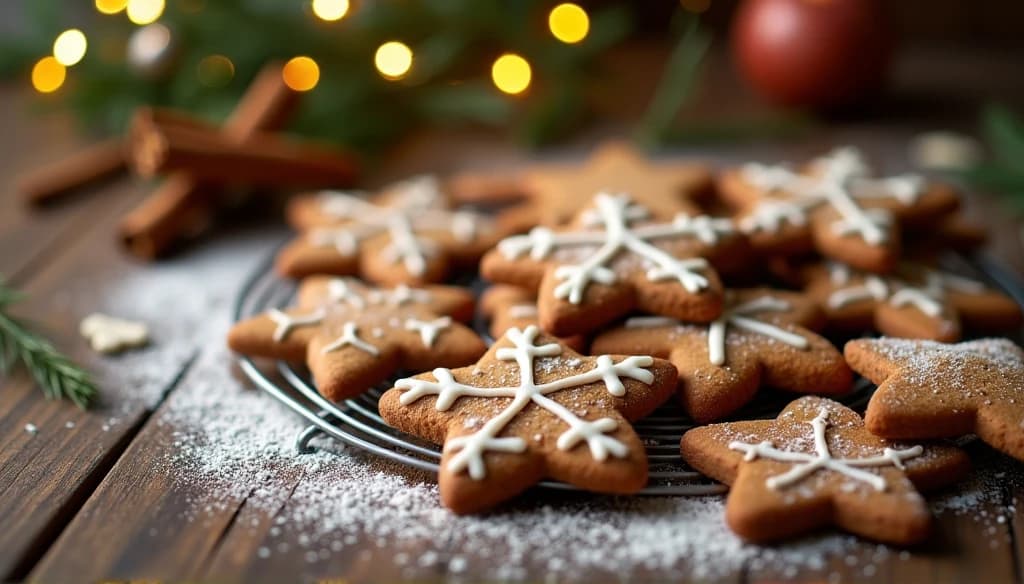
60,466
27,235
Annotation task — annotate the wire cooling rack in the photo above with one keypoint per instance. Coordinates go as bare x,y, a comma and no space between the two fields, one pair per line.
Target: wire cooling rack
357,423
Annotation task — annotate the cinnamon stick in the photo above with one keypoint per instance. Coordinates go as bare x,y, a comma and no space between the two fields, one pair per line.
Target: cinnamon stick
264,160
92,164
182,202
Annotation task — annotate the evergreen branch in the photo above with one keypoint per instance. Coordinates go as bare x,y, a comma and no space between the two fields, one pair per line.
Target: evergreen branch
1004,174
676,85
56,374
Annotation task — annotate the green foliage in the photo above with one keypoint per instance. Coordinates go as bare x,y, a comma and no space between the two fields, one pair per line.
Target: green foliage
1004,132
454,44
53,372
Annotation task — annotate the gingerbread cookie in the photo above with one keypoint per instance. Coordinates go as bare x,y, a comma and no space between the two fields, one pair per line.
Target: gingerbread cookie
354,336
409,234
514,307
665,189
615,259
760,339
835,206
532,408
916,302
934,390
816,465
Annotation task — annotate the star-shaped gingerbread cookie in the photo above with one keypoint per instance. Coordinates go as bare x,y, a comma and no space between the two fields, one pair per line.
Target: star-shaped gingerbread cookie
816,465
353,336
917,302
762,338
835,205
532,408
667,189
935,390
408,234
615,258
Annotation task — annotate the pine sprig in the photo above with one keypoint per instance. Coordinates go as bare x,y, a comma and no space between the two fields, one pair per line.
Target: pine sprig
56,374
1003,131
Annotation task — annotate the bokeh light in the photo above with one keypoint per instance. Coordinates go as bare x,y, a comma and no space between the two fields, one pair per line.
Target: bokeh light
144,11
330,10
511,73
48,75
216,71
569,23
69,47
301,74
393,59
111,6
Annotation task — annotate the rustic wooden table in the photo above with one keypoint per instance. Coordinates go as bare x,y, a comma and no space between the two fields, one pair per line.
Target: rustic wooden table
165,479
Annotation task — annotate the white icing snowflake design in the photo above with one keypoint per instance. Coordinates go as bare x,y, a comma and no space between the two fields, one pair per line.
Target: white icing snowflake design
738,316
822,459
357,296
417,207
470,449
927,298
612,235
839,180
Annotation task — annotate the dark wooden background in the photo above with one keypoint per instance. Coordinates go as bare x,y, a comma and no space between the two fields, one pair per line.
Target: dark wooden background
75,503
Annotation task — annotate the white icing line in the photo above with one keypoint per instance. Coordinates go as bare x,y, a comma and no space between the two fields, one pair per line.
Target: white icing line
613,213
469,450
808,464
349,338
286,323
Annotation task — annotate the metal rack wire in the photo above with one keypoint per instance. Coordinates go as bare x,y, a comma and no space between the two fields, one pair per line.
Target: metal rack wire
357,423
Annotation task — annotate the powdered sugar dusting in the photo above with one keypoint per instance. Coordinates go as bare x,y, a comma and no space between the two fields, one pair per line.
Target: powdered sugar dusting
233,444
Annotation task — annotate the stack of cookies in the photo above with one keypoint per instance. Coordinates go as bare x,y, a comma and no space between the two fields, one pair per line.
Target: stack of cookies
620,284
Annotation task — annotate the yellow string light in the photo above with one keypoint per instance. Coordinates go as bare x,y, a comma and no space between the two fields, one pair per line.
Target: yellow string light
111,6
301,74
215,70
330,10
569,23
48,75
393,60
143,12
511,73
69,47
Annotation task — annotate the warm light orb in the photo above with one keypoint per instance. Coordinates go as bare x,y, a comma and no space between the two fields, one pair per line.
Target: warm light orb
69,47
215,71
569,23
301,74
511,73
144,11
48,75
393,60
111,6
330,10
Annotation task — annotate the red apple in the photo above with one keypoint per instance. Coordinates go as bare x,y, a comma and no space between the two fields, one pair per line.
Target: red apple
811,53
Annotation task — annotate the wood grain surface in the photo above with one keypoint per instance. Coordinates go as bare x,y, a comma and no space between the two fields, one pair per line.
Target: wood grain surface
82,499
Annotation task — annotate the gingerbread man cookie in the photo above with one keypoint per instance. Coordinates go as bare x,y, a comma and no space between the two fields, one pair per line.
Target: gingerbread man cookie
409,234
558,192
532,408
514,307
615,259
916,302
816,465
934,390
353,336
835,206
760,339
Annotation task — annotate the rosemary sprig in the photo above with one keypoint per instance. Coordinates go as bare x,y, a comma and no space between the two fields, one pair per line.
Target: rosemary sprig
56,375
